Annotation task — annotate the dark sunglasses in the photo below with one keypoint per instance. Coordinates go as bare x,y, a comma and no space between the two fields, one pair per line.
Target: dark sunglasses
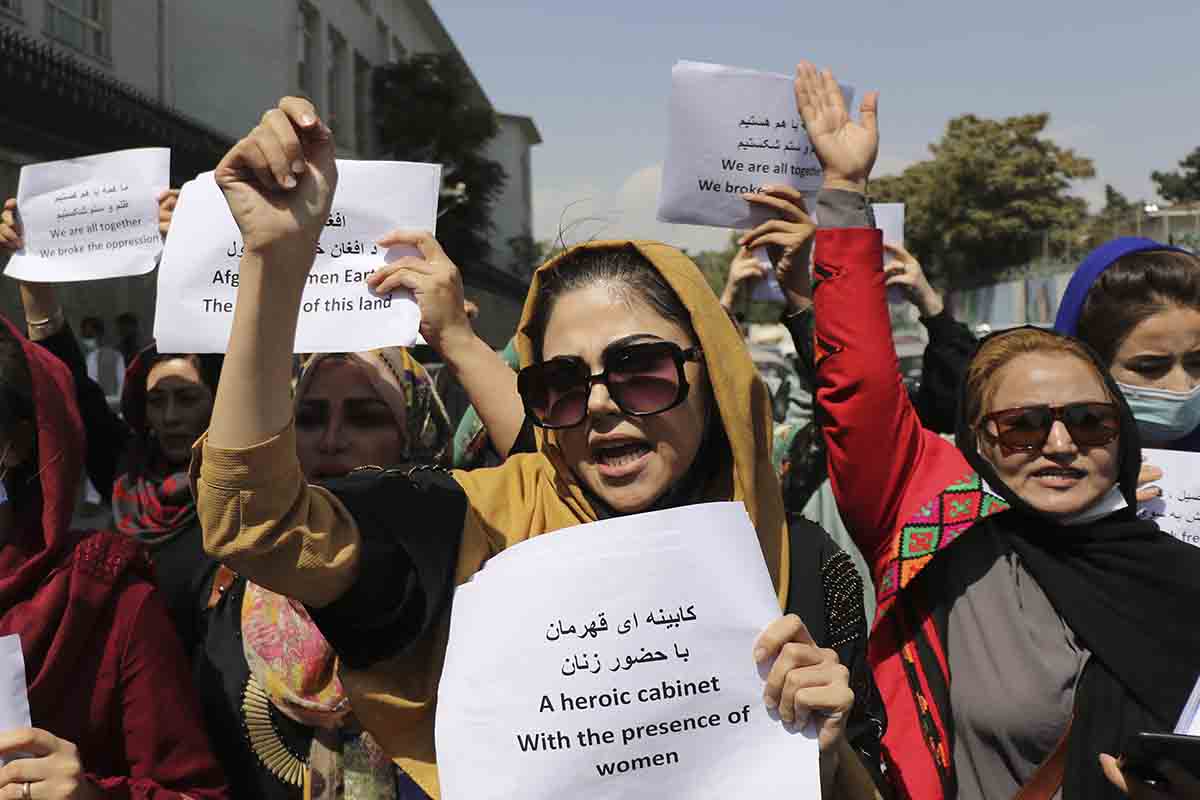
1027,428
643,379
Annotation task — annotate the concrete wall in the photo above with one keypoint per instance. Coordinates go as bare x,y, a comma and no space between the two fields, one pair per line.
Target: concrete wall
512,213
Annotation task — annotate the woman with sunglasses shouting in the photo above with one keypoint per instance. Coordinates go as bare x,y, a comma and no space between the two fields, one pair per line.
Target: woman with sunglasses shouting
1028,624
644,396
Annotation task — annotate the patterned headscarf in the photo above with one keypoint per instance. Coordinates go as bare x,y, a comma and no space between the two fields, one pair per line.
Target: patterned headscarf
404,385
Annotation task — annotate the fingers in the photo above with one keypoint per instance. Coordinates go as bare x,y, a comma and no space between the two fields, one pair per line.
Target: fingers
803,86
26,769
869,112
899,253
405,273
29,741
1148,493
281,149
788,628
831,94
1112,771
784,239
422,240
823,690
10,229
303,114
1149,473
783,203
278,123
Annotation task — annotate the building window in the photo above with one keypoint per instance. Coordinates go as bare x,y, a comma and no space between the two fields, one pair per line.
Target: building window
335,100
362,106
11,7
310,31
81,24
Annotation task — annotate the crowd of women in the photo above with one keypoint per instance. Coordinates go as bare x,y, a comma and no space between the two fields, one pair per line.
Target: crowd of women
269,614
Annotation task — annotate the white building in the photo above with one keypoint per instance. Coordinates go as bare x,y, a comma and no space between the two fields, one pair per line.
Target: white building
105,74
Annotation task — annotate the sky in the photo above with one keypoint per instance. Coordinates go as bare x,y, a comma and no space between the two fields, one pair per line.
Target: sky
1120,80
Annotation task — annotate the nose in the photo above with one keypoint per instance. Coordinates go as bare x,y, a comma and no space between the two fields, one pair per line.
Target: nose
1059,443
331,437
171,413
600,401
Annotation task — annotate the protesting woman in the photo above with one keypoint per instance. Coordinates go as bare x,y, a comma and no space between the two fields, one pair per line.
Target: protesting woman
1025,613
375,556
110,696
1136,302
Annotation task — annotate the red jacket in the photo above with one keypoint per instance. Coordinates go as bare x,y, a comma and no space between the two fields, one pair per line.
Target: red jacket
903,492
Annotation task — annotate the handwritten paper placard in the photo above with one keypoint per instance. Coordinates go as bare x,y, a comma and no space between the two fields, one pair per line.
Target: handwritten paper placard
732,131
198,280
14,696
1177,511
614,660
89,218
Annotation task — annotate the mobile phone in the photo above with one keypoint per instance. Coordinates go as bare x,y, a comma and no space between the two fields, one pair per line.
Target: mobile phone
1144,750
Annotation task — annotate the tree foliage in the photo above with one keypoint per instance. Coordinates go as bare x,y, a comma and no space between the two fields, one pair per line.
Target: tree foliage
993,195
1182,185
427,109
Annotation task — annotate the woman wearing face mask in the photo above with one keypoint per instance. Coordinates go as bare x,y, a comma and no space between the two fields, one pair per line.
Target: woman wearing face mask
374,556
100,655
1136,302
372,409
1025,613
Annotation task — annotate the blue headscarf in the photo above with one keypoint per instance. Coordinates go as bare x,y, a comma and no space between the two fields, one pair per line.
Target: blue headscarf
1089,272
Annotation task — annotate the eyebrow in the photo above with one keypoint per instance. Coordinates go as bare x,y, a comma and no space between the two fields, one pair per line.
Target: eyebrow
624,340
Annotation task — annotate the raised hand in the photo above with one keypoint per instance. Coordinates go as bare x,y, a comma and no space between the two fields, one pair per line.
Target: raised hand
279,180
10,229
845,148
788,239
167,200
436,285
904,271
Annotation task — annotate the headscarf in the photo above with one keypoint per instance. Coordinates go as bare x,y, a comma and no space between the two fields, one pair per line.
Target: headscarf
1089,272
534,494
405,386
56,585
1126,589
284,649
152,503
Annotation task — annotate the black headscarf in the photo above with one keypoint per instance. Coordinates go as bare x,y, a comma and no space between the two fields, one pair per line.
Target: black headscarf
1130,592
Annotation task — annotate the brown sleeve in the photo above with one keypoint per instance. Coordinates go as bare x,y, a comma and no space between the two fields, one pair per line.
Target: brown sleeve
262,519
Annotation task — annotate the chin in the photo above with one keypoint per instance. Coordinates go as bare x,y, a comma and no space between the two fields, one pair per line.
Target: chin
1062,505
627,496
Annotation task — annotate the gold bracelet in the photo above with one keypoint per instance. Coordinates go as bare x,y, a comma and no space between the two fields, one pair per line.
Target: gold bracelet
42,328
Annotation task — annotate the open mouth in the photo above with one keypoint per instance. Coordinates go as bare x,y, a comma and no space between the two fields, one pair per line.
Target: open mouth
619,459
1060,476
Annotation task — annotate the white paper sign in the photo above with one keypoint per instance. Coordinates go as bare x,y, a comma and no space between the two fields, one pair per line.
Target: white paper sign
889,218
89,218
732,131
197,283
614,660
1177,511
1189,720
14,695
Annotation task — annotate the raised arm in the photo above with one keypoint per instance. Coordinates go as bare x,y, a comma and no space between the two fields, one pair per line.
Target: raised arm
436,284
874,438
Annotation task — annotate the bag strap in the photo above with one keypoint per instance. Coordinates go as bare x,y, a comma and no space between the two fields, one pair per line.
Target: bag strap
1049,775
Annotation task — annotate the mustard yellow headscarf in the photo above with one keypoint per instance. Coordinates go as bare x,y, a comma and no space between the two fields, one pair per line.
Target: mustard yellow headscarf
535,493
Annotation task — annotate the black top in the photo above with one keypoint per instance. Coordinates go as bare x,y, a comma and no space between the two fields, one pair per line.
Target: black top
406,581
212,637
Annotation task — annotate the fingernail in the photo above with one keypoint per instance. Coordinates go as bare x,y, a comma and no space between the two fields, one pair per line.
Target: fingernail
307,119
770,702
298,167
760,653
288,182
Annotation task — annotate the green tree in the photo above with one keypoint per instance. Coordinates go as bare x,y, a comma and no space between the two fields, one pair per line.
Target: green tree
1183,185
1117,218
428,109
993,195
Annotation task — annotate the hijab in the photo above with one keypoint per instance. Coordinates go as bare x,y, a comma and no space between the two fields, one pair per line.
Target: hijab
284,648
534,494
1126,589
152,502
406,387
55,585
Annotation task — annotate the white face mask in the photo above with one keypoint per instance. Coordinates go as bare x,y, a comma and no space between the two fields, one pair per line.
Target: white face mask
1162,415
